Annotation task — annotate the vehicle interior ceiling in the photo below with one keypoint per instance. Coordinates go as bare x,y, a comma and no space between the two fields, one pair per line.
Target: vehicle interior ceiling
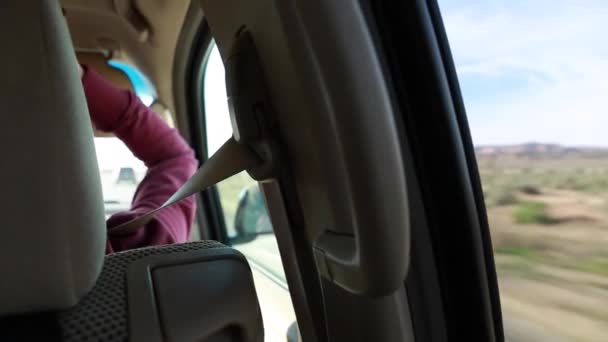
139,32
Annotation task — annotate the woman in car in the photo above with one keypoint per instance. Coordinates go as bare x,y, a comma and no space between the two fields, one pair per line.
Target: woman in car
169,159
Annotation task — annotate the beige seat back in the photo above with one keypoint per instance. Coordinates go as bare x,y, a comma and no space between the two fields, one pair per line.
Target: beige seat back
51,208
52,220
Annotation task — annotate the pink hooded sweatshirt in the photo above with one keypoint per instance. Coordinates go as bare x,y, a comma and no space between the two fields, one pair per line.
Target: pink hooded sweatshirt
169,159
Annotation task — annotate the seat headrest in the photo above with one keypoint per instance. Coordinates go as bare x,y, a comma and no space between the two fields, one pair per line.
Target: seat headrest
52,223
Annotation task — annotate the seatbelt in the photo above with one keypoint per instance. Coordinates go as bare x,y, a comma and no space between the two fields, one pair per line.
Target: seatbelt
229,160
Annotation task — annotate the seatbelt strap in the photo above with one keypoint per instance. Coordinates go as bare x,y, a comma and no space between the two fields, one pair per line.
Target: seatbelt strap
229,160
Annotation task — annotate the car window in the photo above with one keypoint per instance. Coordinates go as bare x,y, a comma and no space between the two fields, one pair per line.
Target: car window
247,223
533,78
120,170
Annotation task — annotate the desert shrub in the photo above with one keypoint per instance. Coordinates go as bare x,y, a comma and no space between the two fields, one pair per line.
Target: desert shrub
498,195
530,212
520,251
598,265
593,183
530,189
506,198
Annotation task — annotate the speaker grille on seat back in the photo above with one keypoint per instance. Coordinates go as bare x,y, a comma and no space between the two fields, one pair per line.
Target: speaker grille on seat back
102,314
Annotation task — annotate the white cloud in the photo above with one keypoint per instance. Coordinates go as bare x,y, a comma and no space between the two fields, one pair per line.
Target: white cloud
559,52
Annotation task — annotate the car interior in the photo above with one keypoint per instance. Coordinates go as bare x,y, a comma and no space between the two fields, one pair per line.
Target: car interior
360,216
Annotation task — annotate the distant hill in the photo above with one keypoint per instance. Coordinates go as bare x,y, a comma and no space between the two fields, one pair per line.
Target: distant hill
540,151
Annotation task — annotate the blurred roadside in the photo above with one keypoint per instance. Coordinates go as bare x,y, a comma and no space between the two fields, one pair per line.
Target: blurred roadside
548,214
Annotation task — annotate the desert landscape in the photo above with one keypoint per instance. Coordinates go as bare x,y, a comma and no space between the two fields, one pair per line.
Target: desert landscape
548,213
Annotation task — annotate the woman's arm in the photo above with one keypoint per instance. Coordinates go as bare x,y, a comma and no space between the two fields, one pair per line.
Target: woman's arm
169,159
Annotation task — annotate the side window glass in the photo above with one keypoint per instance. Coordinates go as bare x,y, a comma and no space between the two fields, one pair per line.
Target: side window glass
245,215
244,209
533,77
120,170
120,173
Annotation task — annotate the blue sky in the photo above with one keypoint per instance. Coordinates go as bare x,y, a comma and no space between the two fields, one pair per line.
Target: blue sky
532,70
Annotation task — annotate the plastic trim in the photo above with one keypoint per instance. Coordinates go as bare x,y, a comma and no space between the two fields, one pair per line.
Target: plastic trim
145,322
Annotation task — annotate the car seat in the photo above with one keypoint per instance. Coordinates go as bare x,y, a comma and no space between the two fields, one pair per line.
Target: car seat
57,284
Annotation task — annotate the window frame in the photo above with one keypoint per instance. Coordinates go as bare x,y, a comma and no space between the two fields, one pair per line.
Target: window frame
210,214
427,83
264,267
210,203
473,168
